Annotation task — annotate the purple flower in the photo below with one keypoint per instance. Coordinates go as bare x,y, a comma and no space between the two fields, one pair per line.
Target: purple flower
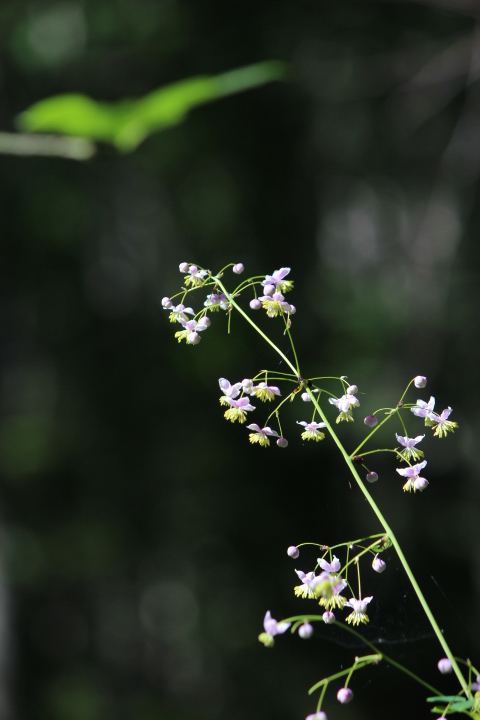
422,409
312,430
378,564
282,442
305,631
216,301
443,424
272,628
306,397
277,279
238,268
275,305
255,304
265,392
293,551
180,313
344,695
229,391
359,607
195,277
261,435
190,331
371,421
344,406
371,477
415,482
420,381
410,452
445,666
238,409
307,588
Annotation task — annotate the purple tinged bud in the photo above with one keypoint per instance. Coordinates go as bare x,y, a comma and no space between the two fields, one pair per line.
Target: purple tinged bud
445,666
255,304
238,268
183,267
317,716
305,631
167,303
269,289
293,552
344,695
306,397
420,483
193,338
292,310
371,477
352,390
378,564
420,381
371,421
328,617
205,322
282,442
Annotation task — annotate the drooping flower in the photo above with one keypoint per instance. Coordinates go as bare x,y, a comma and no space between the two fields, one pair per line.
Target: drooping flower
179,313
190,331
420,381
378,564
344,405
422,409
328,588
238,268
344,695
277,280
305,631
445,666
275,305
358,614
441,422
414,482
217,301
195,277
230,392
272,628
261,435
265,392
312,431
333,567
410,452
293,551
238,409
307,588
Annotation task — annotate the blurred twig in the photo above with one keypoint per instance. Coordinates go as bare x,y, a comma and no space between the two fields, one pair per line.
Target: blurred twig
52,145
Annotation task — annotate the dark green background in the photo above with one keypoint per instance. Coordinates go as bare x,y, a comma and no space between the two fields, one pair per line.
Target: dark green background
142,537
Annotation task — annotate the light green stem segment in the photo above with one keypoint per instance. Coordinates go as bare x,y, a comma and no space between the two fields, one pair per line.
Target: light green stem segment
386,527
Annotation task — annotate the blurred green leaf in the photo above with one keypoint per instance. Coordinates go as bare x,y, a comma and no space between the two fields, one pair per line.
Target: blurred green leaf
127,123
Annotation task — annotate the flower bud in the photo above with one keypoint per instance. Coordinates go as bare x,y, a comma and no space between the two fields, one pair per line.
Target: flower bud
378,564
269,289
317,716
293,551
328,617
344,695
238,268
167,303
305,631
183,267
420,381
371,477
306,397
371,421
420,483
247,385
445,666
282,442
205,322
193,338
255,304
292,310
352,390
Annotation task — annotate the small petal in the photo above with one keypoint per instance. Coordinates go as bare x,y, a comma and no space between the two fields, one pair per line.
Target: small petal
344,695
293,551
238,268
420,381
371,421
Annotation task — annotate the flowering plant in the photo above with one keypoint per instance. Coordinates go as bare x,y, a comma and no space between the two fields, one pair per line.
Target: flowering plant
334,585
